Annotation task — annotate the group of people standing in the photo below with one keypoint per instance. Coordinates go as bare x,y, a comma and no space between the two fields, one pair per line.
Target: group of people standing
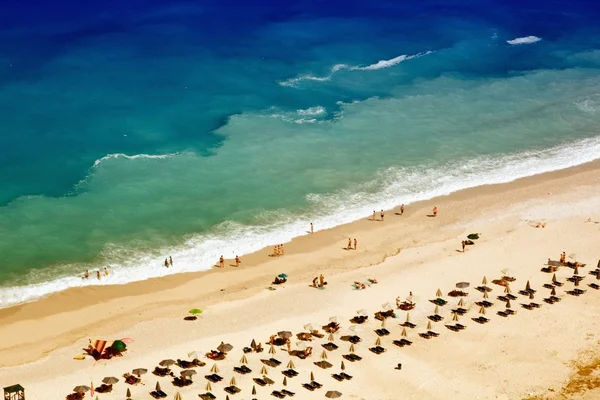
222,261
278,250
86,275
350,244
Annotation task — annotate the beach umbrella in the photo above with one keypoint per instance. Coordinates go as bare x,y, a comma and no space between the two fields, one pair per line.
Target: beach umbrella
362,312
291,365
387,306
225,347
598,266
343,366
166,363
272,350
330,337
253,343
81,389
232,381
482,310
193,355
157,387
333,394
214,369
351,348
177,396
110,380
407,317
576,270
437,309
383,323
119,345
244,360
403,331
428,325
460,303
195,311
354,328
128,393
438,293
227,397
324,355
139,371
505,271
486,295
333,319
553,292
188,373
378,342
484,281
282,276
127,340
284,334
455,317
507,289
507,303
531,296
312,376
528,286
284,381
309,327
576,282
554,278
264,370
208,386
462,285
253,389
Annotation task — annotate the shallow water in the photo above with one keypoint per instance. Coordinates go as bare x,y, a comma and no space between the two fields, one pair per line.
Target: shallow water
185,130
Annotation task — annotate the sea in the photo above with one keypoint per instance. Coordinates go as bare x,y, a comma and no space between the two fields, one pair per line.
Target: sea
132,131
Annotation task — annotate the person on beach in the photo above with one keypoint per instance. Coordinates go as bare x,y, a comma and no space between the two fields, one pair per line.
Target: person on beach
167,262
398,301
349,244
463,245
105,271
435,210
321,280
170,261
312,228
276,251
221,262
98,274
86,275
382,215
402,209
374,213
237,261
314,283
563,257
355,244
281,249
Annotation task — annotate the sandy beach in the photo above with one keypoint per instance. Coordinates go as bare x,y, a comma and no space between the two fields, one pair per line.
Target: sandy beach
546,353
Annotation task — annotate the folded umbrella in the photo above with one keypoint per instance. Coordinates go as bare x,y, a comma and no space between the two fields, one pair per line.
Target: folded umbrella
81,389
333,394
157,387
110,380
177,396
264,370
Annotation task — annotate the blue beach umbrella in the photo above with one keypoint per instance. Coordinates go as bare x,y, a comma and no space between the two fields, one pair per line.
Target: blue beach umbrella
282,276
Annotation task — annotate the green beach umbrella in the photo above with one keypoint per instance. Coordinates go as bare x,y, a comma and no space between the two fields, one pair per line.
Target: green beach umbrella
195,311
119,345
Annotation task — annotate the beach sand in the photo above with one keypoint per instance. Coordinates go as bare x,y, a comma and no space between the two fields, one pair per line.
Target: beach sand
551,352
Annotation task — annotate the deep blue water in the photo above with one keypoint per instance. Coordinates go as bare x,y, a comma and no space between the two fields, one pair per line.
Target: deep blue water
264,115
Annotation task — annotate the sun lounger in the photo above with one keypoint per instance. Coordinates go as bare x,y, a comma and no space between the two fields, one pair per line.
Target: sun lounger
268,380
452,328
104,388
75,396
260,382
381,315
535,305
502,314
352,357
483,289
316,385
287,392
457,293
232,389
290,373
481,320
406,306
317,334
158,394
207,396
242,370
408,325
180,382
439,302
484,303
433,334
527,306
549,300
323,364
331,327
359,319
158,371
186,364
352,339
435,318
460,327
377,350
216,355
271,362
214,378
382,332
511,296
330,346
277,394
304,336
594,286
459,311
425,335
308,386
337,377
130,379
548,286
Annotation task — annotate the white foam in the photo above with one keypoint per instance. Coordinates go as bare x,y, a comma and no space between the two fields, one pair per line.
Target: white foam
524,40
390,188
293,82
133,157
307,116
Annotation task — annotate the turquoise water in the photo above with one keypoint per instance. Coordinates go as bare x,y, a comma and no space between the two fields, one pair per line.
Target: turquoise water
157,137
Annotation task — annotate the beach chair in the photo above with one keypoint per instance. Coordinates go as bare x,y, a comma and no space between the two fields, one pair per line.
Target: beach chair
207,396
308,386
277,394
290,373
288,393
346,376
330,346
502,314
232,389
337,377
425,335
527,306
260,382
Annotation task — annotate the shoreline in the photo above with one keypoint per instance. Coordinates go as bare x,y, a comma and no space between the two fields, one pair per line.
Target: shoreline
106,303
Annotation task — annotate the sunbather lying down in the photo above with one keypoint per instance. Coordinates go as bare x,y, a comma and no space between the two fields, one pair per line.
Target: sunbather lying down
359,285
373,280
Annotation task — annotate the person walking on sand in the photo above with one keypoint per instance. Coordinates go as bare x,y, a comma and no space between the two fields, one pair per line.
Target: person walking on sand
355,243
237,261
312,228
402,209
374,213
349,244
435,210
221,262
463,245
171,261
382,215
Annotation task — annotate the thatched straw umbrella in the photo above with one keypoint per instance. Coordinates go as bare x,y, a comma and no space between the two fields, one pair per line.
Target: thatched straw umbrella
507,289
352,348
553,278
403,332
331,338
527,287
272,350
232,381
264,370
437,309
576,270
429,325
343,366
291,365
208,387
438,293
508,304
324,355
312,376
244,360
407,317
460,303
284,381
484,281
253,389
482,310
455,317
553,292
486,295
378,342
214,369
